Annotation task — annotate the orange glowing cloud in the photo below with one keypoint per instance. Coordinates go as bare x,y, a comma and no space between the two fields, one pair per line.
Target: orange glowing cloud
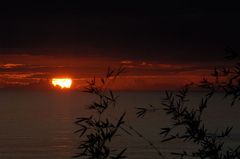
36,71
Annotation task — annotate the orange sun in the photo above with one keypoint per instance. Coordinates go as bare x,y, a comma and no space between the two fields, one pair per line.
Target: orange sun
62,82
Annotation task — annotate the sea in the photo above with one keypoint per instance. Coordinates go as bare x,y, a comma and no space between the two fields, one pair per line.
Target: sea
40,124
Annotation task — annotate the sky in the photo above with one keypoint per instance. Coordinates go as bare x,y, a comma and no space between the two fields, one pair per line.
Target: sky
163,45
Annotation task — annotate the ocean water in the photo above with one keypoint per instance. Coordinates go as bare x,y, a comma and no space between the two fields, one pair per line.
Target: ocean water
40,124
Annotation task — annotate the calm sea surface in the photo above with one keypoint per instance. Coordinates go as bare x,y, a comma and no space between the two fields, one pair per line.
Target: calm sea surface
39,124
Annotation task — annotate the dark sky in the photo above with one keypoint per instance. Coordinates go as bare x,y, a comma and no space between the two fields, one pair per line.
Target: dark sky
163,45
169,30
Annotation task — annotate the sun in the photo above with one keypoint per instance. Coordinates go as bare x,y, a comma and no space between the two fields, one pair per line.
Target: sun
62,82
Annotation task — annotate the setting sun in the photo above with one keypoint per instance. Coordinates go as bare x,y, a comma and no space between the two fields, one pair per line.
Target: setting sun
62,82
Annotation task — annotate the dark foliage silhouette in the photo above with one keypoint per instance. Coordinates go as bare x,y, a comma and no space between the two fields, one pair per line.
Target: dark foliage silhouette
187,122
97,131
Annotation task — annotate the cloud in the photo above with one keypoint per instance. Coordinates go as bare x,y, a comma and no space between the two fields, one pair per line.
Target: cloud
126,62
30,69
11,65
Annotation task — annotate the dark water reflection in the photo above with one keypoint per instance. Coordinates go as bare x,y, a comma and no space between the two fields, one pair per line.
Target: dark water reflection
37,125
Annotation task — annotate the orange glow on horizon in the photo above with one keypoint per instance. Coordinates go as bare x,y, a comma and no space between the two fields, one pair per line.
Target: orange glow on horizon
62,82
